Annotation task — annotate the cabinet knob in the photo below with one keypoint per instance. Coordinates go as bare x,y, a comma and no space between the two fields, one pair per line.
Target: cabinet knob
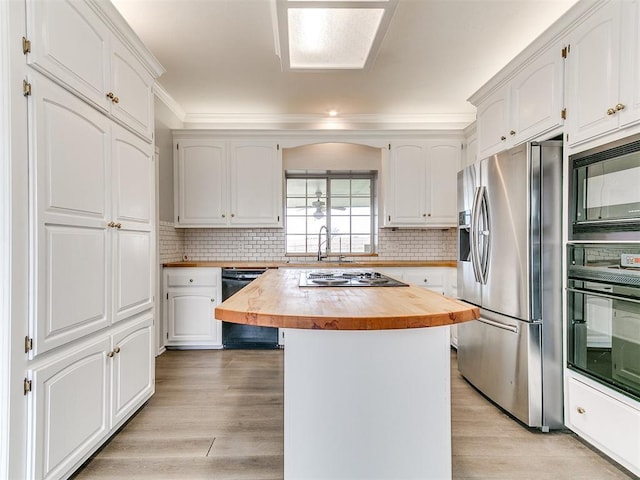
115,100
213,300
512,132
223,215
581,410
428,215
503,138
619,107
611,111
110,354
191,280
118,225
424,214
116,350
233,215
110,96
111,224
426,280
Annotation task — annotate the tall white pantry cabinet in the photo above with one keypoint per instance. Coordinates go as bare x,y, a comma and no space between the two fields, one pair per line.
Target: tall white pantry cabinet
78,232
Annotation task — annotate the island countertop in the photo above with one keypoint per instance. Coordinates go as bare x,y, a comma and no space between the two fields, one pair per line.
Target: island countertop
276,300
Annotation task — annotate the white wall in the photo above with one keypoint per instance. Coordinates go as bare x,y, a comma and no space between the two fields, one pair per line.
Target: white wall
332,156
165,120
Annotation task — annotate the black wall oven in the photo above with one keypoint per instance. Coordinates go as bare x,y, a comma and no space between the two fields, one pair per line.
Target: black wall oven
603,305
603,265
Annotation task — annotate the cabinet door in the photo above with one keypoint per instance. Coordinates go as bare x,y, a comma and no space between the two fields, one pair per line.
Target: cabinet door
492,123
132,368
256,184
430,278
630,63
69,409
444,162
406,185
70,171
593,74
190,315
70,43
131,86
133,236
200,183
612,426
537,97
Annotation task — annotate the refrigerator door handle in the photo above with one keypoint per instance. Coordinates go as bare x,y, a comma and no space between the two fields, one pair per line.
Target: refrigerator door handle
503,326
475,215
486,242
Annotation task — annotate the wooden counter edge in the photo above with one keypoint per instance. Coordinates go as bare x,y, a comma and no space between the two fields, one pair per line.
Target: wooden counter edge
438,319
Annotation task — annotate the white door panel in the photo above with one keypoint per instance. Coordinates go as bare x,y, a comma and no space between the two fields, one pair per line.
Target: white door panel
69,42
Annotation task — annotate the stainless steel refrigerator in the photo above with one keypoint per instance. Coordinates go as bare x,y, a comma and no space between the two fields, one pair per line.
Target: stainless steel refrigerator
509,264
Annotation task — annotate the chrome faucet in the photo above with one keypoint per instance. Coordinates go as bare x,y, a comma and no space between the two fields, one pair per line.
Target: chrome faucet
326,244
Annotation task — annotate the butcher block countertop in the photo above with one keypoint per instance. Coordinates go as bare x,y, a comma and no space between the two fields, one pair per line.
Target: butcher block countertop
313,264
276,300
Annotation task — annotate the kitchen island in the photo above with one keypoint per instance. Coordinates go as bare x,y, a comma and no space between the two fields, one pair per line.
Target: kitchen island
367,375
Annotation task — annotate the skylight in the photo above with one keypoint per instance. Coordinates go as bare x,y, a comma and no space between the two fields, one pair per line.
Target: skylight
330,35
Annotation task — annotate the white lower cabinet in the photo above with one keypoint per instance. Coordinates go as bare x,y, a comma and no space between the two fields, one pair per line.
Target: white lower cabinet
132,368
190,296
431,278
437,279
83,394
607,420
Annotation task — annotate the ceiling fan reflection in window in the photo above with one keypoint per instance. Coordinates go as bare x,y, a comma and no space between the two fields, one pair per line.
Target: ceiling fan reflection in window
320,206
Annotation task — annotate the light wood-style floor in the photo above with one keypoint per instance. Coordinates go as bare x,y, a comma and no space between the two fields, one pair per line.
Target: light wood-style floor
219,415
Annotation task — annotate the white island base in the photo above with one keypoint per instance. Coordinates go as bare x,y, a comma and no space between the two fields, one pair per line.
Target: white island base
367,404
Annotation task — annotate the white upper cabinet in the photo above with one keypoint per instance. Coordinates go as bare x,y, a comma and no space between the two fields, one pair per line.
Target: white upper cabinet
537,96
256,184
493,124
93,202
132,91
525,106
444,162
419,183
133,180
406,185
200,177
70,170
227,183
70,43
593,75
603,72
630,63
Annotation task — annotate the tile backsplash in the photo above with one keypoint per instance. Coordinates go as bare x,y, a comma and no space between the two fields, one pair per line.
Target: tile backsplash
268,244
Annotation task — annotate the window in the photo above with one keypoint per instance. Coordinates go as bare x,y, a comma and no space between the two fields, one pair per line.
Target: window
341,202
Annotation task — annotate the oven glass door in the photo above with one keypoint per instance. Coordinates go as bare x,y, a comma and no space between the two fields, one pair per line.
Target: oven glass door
603,308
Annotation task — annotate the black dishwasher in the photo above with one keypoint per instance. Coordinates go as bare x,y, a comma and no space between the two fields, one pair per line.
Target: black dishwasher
237,335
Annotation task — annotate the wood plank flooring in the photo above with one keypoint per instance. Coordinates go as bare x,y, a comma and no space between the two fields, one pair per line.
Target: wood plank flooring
219,415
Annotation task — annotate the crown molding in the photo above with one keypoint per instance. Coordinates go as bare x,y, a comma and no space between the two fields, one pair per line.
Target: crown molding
169,101
322,122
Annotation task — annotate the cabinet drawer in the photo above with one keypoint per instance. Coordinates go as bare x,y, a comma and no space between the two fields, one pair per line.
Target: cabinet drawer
196,277
608,423
431,278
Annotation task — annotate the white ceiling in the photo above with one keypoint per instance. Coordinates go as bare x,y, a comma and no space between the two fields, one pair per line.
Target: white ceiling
221,64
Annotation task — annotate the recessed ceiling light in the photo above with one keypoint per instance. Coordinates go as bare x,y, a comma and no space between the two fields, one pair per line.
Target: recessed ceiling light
330,35
333,113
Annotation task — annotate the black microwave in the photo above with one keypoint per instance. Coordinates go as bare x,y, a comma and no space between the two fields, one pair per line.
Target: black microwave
604,192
